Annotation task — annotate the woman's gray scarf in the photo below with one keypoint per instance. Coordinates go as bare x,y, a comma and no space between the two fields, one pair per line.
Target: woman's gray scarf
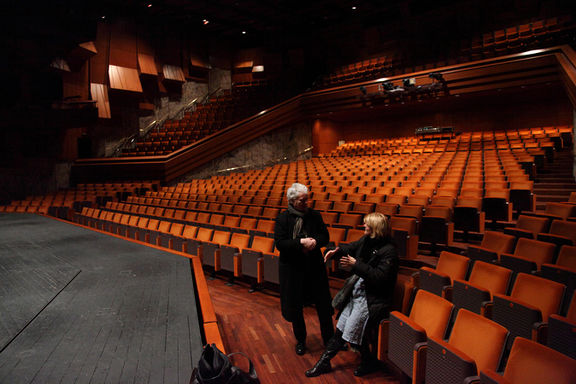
299,220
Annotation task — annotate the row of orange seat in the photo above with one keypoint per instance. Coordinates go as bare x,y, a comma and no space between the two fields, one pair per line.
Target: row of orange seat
427,346
530,139
204,120
522,36
244,250
502,302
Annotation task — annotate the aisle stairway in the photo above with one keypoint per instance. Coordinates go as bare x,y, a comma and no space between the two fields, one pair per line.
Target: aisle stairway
555,180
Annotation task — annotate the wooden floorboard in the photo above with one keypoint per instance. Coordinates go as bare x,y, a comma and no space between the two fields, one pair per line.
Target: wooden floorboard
252,323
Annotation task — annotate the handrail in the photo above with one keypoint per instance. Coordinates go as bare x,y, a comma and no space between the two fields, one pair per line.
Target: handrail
268,163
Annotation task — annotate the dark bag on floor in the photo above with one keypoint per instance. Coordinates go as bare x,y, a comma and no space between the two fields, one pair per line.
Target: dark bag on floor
214,367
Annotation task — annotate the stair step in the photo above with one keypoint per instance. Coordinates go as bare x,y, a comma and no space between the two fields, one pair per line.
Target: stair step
555,180
566,194
552,198
541,185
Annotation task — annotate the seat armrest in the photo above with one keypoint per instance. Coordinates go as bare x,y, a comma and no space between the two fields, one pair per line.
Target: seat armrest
472,380
517,263
540,332
482,254
486,309
491,377
447,292
419,367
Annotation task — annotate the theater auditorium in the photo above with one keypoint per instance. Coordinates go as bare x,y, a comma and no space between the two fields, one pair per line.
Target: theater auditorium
146,148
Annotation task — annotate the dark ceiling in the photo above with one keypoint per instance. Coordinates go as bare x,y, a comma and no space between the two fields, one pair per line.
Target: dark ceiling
33,30
256,21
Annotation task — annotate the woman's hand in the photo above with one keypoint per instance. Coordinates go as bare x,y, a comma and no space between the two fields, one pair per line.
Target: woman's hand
330,254
347,262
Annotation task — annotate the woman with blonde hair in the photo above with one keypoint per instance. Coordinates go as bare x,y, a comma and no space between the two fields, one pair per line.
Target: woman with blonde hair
373,260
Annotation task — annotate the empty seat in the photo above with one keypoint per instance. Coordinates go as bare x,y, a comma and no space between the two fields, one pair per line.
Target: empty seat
526,310
336,236
429,316
443,201
264,227
436,227
563,271
529,255
323,205
561,233
522,196
562,331
388,209
559,211
450,266
181,242
528,226
415,211
468,216
493,244
532,363
211,248
258,262
349,220
194,245
405,235
475,344
496,205
475,294
363,208
245,225
228,255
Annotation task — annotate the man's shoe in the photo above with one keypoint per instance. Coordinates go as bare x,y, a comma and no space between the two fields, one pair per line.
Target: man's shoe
300,349
366,368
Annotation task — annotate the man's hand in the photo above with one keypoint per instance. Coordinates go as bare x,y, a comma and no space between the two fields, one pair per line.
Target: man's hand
309,243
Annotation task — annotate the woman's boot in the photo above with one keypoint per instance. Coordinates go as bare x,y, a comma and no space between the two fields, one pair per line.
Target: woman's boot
323,365
368,362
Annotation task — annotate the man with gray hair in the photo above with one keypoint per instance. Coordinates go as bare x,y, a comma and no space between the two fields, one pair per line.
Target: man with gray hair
299,234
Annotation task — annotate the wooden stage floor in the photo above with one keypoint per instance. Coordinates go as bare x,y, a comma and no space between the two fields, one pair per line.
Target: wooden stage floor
79,306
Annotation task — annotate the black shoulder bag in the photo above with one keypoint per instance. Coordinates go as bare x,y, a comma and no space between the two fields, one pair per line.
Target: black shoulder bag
214,367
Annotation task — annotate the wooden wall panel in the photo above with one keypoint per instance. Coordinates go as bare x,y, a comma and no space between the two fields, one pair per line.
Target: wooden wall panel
172,72
76,84
125,79
123,46
147,65
99,63
100,95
